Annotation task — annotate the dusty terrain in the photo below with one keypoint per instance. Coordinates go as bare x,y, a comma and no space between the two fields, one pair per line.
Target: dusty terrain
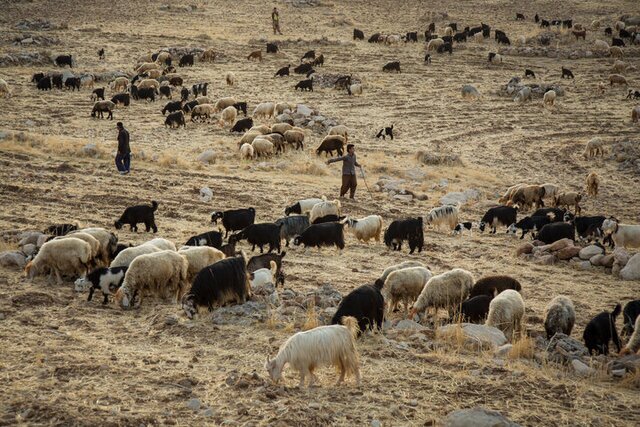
66,361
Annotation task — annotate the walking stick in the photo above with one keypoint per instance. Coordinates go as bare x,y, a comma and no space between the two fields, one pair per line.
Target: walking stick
365,183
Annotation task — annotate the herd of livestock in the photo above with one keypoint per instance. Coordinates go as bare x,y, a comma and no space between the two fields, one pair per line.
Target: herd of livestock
209,272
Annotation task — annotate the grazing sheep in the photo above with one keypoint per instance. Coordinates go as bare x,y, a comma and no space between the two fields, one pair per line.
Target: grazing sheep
404,285
508,195
559,316
295,137
365,304
495,58
594,147
246,152
108,241
443,215
366,228
379,283
162,274
202,112
324,208
262,147
302,207
633,345
523,95
147,83
601,45
69,256
264,261
199,257
108,280
434,44
292,226
119,84
230,79
281,128
470,92
228,115
101,107
124,258
549,98
493,285
175,119
331,143
600,330
568,199
209,55
139,214
592,183
527,196
218,284
630,314
341,130
354,89
325,234
446,290
506,312
623,235
617,79
616,52
332,345
256,54
264,110
94,244
474,310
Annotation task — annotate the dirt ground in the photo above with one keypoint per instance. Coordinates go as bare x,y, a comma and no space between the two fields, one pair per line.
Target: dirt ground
66,361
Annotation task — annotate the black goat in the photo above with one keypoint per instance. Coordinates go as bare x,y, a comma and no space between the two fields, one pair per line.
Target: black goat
60,229
556,231
62,60
629,314
175,120
210,238
305,85
392,66
566,73
121,98
493,285
530,223
242,125
139,214
172,106
72,83
409,229
529,73
272,48
318,235
97,94
186,60
266,233
108,280
366,304
600,330
384,132
234,219
357,34
475,309
499,215
241,106
284,71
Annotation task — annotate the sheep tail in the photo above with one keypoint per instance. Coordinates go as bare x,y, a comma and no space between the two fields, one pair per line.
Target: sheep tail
616,311
154,205
351,324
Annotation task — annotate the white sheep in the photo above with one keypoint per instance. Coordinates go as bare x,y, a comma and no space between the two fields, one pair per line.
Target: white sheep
199,257
147,83
162,244
262,147
619,25
282,106
355,89
294,137
230,78
341,130
163,274
92,241
143,68
506,312
108,241
264,110
324,208
633,345
264,276
126,257
446,290
623,235
549,98
228,115
246,152
163,57
618,67
304,206
364,229
393,39
332,345
120,84
67,256
559,316
154,74
4,88
281,128
470,92
523,95
601,45
248,137
261,129
404,285
448,31
434,44
443,215
478,37
201,100
379,283
592,183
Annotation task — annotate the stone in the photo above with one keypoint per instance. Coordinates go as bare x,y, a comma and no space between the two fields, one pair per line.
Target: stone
581,368
304,110
13,259
477,417
403,197
207,156
595,260
90,149
607,261
563,348
194,404
376,423
283,118
29,249
557,245
208,412
621,257
630,363
503,350
545,260
475,336
407,324
618,373
524,248
631,271
567,253
583,265
457,197
590,251
206,194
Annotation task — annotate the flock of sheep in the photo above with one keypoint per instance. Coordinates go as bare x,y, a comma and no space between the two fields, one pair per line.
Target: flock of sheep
208,273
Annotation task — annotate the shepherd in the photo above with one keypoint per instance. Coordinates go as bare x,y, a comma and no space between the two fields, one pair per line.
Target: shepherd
349,163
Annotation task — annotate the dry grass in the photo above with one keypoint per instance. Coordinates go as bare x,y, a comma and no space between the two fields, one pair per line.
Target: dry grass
522,349
311,319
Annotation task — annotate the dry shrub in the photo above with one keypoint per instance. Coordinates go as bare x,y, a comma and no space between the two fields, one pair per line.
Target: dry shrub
6,246
454,337
311,320
309,167
170,158
438,159
522,349
28,143
631,380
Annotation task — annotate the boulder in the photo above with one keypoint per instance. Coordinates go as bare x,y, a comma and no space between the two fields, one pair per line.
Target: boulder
568,252
460,197
590,251
524,248
557,245
207,156
595,260
407,324
13,259
545,260
631,271
477,417
206,194
563,348
630,363
304,110
581,368
621,257
29,249
477,337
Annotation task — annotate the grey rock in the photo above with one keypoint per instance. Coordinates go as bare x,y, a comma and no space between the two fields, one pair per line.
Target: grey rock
13,259
562,348
304,110
208,412
281,118
631,270
581,368
476,336
376,423
590,251
194,404
477,417
503,350
29,249
207,156
407,324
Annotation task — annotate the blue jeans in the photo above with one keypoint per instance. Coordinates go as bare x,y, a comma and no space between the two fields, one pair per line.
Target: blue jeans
123,161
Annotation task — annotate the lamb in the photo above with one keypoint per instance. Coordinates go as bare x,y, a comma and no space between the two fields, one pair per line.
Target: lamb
559,316
506,312
633,345
295,137
366,228
101,107
259,235
592,183
331,143
218,284
600,330
594,147
365,304
67,256
228,115
175,119
264,110
409,229
617,79
302,207
549,98
475,309
325,234
404,285
623,235
198,257
567,199
292,226
262,147
234,219
499,215
139,214
162,274
332,345
494,285
446,290
263,276
263,261
108,280
443,215
246,151
210,238
230,78
324,208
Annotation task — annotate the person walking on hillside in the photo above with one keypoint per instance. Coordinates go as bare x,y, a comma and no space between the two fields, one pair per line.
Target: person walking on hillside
123,157
349,163
275,19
